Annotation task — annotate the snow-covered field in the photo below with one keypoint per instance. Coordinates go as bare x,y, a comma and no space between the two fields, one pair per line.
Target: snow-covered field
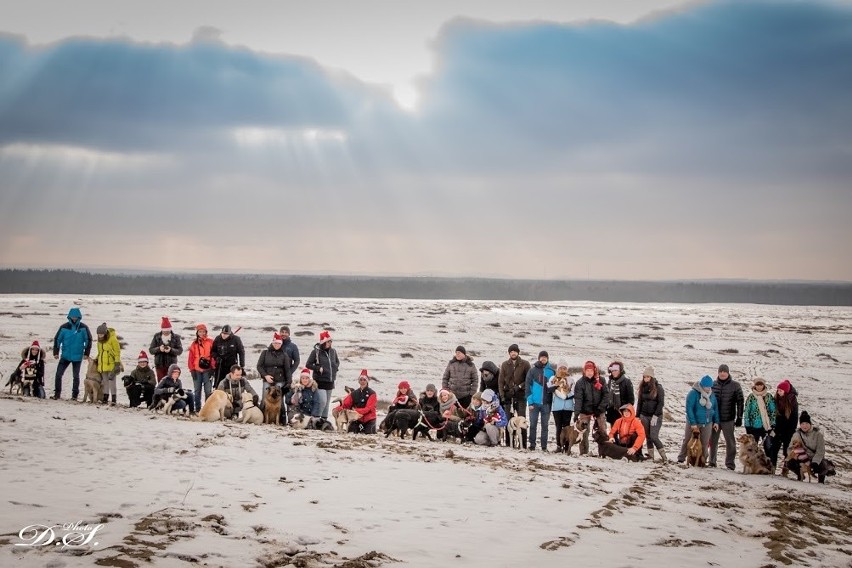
170,492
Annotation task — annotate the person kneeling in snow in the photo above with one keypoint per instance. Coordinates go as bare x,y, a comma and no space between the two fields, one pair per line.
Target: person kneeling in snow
235,384
628,431
141,382
363,401
170,385
490,417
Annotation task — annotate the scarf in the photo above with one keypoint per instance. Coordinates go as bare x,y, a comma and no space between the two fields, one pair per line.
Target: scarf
450,404
705,396
761,406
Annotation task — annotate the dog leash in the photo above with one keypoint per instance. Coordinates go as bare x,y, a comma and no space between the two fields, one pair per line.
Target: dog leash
426,420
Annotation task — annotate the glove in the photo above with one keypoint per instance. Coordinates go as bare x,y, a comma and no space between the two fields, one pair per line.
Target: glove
655,420
738,422
118,368
170,390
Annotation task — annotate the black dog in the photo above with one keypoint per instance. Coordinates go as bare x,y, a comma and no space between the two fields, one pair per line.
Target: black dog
455,429
607,449
428,421
401,421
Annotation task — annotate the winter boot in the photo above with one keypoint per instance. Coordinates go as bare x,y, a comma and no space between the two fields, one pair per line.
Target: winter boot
113,400
651,454
524,439
663,457
106,399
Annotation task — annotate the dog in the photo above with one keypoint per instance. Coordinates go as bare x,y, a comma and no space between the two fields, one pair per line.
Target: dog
93,388
401,421
607,449
752,456
272,405
250,413
514,428
301,421
796,453
214,407
22,383
575,433
454,429
695,451
342,418
165,403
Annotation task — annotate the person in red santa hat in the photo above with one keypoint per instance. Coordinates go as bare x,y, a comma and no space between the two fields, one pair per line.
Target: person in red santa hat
165,347
363,401
140,383
324,363
274,368
31,370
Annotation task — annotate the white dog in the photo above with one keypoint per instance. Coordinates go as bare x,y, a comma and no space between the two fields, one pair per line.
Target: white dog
250,413
516,424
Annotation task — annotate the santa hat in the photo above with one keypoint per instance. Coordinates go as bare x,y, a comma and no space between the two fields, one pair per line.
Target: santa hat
403,386
166,324
35,344
364,375
305,372
324,336
277,338
142,357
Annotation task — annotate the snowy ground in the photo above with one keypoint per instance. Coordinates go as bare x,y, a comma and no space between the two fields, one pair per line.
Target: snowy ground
169,492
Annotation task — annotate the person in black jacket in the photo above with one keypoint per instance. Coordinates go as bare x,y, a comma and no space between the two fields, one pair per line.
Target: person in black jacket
227,351
620,392
235,384
165,347
292,350
324,363
651,398
729,395
31,368
275,368
590,398
429,400
786,421
489,376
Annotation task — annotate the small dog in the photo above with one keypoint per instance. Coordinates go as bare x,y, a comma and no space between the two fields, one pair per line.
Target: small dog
454,429
165,404
22,383
695,451
214,407
752,456
575,433
798,453
250,413
607,449
514,428
342,418
301,421
93,388
272,405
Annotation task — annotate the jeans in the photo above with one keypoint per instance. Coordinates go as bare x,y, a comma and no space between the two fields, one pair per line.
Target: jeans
652,433
536,411
75,372
324,402
199,379
181,404
726,428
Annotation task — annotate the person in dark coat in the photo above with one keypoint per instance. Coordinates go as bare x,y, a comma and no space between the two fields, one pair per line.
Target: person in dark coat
460,376
227,351
729,396
787,407
291,348
324,363
651,397
31,368
141,382
620,391
511,383
171,384
489,377
429,400
274,368
165,347
590,398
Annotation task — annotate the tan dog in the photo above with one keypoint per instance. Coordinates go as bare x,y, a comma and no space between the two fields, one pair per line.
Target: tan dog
695,451
250,413
752,456
342,418
93,388
272,405
516,424
796,450
214,407
575,433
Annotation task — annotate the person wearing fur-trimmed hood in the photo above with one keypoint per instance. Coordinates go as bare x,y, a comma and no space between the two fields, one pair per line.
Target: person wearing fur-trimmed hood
813,442
759,412
305,399
31,368
628,431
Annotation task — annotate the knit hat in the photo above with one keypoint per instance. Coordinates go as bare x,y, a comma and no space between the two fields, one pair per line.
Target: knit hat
35,344
649,372
706,382
364,375
805,417
562,363
305,371
226,328
543,354
724,368
276,338
487,395
431,387
590,365
403,386
759,381
616,365
784,386
166,324
324,336
461,349
173,367
514,347
102,329
201,327
142,357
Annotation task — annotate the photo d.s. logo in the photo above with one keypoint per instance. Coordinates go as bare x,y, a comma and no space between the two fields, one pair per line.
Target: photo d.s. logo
68,535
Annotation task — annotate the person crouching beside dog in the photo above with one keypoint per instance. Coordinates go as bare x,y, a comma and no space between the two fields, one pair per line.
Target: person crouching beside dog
273,366
812,440
363,401
305,399
490,420
628,431
702,415
109,361
141,382
171,384
235,384
651,398
31,370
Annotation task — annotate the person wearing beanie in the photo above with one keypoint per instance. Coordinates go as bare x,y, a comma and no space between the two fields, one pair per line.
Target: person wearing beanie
538,389
651,399
759,413
74,341
488,421
169,385
363,401
227,351
511,383
109,361
460,376
811,439
404,398
702,415
30,371
275,367
489,377
590,398
429,399
291,348
165,347
200,363
729,396
786,420
563,401
325,363
141,382
620,392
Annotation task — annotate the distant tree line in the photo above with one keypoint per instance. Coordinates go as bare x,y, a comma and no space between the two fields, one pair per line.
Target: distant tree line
14,281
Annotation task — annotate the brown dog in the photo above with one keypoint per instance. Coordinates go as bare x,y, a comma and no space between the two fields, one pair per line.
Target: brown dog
695,451
607,449
574,433
214,407
795,453
93,388
753,457
272,405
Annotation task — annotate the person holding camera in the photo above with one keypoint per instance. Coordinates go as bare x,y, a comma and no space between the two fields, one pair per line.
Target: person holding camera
200,364
165,347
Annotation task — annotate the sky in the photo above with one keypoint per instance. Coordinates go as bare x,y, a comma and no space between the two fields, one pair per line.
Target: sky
638,140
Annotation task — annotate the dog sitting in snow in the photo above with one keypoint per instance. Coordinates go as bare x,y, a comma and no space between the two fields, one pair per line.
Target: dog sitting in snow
272,405
575,433
215,407
93,388
515,426
607,449
249,413
695,451
166,403
454,429
343,416
798,453
752,456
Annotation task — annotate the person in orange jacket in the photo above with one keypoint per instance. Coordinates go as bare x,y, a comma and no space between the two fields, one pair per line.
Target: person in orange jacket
628,431
363,401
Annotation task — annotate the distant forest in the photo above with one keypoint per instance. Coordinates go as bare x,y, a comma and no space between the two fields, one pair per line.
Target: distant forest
79,282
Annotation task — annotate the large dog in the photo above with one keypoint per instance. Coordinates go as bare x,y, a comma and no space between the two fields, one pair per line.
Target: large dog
250,413
214,407
695,451
22,383
516,425
343,416
454,429
752,456
272,405
93,388
418,422
575,433
607,449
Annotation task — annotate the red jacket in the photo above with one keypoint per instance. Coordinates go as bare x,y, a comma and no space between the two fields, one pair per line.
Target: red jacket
198,350
627,426
362,401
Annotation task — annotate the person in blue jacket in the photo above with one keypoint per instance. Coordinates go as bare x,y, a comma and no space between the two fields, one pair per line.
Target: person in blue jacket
702,415
74,341
539,391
